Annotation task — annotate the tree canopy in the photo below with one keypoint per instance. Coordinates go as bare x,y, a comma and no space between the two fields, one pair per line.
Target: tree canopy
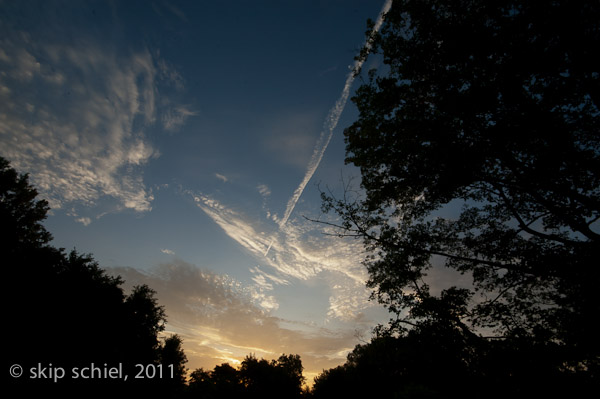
493,108
64,309
281,378
21,213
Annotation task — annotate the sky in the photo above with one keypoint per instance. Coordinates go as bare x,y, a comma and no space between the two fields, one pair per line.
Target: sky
184,144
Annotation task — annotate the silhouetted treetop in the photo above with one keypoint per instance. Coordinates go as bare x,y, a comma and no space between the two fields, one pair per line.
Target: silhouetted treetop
21,213
255,378
66,310
493,108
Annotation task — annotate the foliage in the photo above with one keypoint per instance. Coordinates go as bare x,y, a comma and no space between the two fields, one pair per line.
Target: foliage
171,353
20,213
146,320
66,310
492,107
281,378
435,360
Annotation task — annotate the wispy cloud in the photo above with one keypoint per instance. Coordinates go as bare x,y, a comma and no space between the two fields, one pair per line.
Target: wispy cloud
299,251
264,190
265,279
220,322
233,224
221,177
84,220
176,117
75,118
167,251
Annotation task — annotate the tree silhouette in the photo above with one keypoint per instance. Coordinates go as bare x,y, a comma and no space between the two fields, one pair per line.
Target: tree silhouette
21,213
492,108
146,321
436,360
201,384
227,382
172,371
63,309
66,311
171,353
277,378
290,368
281,378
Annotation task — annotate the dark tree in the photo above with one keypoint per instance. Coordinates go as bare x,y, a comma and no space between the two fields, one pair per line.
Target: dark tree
493,108
201,384
436,360
281,378
274,379
21,213
171,353
172,360
147,319
227,381
421,364
291,369
63,309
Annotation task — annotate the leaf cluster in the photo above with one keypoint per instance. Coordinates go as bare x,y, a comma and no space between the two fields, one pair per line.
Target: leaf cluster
253,379
492,108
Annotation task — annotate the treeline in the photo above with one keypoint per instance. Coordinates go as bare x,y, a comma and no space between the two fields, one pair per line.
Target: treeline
65,312
281,378
438,361
71,328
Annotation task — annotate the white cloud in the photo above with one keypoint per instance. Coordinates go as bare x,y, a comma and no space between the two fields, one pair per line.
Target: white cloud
221,177
264,190
347,296
167,251
264,278
220,321
231,222
299,251
75,119
84,220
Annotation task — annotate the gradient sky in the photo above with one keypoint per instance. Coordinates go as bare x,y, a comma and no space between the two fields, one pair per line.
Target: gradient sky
172,140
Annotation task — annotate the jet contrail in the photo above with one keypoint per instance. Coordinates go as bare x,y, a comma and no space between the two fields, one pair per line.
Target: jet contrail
330,123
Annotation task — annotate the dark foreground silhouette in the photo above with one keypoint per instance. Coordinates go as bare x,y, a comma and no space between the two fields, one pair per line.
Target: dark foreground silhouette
70,328
69,325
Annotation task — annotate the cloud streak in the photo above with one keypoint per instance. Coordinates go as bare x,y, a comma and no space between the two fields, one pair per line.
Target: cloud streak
298,252
176,117
330,124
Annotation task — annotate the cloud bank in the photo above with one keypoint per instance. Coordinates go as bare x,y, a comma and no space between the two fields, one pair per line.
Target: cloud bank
220,322
76,117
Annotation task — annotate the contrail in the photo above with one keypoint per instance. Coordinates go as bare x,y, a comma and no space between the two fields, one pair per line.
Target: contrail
330,123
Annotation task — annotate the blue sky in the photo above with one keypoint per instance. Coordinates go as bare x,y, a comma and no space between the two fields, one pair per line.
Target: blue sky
173,141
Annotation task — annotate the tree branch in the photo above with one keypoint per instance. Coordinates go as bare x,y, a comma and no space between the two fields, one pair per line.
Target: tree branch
526,226
359,232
